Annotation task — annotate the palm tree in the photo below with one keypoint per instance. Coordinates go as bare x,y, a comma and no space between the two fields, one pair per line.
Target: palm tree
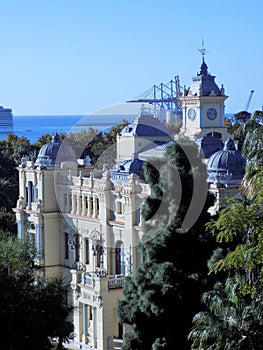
253,151
231,321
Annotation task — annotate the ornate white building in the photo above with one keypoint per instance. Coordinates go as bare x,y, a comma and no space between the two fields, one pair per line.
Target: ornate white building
86,223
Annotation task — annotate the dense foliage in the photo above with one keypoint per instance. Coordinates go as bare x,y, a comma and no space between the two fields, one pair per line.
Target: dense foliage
99,146
160,301
233,318
8,193
31,311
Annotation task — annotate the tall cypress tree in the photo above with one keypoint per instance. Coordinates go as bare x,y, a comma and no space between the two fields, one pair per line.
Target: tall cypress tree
160,301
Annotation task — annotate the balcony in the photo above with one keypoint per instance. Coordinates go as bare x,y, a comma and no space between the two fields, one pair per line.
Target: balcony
95,282
115,281
92,279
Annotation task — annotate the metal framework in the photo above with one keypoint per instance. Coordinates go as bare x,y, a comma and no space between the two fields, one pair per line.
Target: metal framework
162,95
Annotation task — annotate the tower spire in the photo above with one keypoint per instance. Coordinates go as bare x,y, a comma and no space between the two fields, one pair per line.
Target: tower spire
203,51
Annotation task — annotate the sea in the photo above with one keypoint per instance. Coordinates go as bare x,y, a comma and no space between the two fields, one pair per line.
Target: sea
32,127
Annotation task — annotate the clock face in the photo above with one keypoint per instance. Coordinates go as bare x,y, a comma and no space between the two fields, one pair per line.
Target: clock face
191,114
211,113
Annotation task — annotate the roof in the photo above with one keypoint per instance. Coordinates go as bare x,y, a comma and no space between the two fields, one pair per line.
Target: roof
203,84
123,170
146,125
210,145
55,152
227,165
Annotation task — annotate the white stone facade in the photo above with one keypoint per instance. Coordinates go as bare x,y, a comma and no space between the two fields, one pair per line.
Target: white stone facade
87,227
87,224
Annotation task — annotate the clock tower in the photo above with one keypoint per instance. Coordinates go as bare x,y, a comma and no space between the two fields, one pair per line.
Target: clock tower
203,106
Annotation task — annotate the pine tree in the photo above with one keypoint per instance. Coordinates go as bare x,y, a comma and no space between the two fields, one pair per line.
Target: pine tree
160,301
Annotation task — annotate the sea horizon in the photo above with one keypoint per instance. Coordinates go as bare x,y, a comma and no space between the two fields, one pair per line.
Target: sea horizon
34,126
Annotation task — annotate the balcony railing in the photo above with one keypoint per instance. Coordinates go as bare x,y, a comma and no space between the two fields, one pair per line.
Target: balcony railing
115,281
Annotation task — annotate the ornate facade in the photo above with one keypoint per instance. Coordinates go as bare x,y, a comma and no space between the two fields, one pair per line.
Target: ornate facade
86,223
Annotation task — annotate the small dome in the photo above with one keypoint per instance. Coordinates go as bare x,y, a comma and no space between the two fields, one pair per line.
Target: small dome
226,166
55,152
122,170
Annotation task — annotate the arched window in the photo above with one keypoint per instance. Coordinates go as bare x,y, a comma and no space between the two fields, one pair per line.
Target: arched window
119,256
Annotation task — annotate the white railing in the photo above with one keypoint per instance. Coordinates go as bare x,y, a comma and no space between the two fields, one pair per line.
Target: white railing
115,281
116,344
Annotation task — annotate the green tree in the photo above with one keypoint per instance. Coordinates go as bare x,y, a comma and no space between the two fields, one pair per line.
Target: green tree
82,142
99,146
253,151
106,150
238,130
234,306
42,140
7,168
31,311
15,147
231,320
175,127
8,193
160,301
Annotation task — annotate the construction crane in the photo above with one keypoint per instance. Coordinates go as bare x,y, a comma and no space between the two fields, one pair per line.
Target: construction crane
162,95
249,100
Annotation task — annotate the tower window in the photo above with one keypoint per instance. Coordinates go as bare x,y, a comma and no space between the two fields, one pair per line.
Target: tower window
119,256
66,238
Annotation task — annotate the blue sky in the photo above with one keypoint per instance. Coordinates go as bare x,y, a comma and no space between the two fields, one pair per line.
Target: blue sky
77,56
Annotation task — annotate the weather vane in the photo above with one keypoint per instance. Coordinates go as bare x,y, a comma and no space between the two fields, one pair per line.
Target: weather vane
203,51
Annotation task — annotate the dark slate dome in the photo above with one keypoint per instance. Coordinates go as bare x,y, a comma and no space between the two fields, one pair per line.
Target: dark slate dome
146,125
226,166
122,170
210,145
55,152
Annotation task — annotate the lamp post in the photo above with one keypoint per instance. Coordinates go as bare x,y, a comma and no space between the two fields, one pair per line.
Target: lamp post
75,244
98,252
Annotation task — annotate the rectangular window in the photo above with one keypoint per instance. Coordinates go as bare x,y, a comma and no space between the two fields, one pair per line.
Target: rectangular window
66,245
34,193
86,251
65,201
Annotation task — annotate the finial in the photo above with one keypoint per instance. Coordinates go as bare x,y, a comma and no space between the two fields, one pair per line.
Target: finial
55,137
203,51
230,145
